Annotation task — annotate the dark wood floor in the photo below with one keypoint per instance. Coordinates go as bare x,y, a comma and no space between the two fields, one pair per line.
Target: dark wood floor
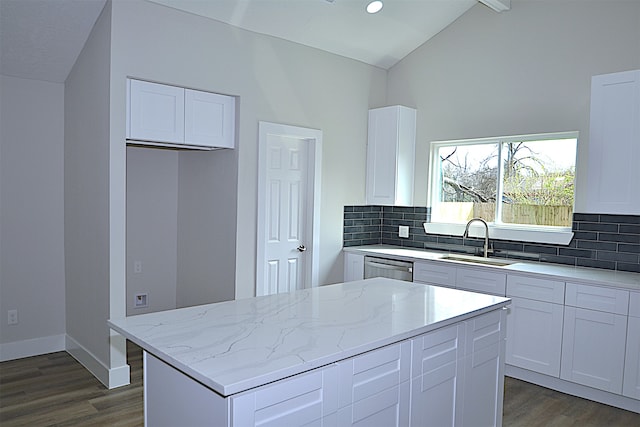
55,390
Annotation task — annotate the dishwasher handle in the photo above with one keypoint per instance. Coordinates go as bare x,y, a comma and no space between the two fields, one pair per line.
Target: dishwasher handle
389,267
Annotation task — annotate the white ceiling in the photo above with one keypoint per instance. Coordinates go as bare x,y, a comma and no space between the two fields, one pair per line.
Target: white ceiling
41,39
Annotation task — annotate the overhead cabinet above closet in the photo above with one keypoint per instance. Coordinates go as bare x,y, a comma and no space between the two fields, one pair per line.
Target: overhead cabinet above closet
171,116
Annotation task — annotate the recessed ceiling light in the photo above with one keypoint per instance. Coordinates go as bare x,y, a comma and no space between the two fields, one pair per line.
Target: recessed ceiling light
374,6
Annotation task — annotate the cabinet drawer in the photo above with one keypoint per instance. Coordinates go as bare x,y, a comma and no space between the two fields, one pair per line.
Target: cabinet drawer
536,289
434,273
634,304
596,298
481,281
436,350
364,376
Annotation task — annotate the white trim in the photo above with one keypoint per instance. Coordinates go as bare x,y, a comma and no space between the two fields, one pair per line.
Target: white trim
111,378
314,137
548,235
31,347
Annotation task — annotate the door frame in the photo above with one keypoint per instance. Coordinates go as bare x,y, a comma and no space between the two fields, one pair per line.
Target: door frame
312,220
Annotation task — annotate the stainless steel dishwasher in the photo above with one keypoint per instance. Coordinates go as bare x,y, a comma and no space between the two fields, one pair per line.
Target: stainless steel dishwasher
391,268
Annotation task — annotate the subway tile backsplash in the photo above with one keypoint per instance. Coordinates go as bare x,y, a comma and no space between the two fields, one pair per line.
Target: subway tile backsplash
610,242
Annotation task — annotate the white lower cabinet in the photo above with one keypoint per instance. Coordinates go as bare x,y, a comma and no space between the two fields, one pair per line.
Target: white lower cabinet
374,388
593,348
437,377
534,324
631,381
483,385
534,335
479,280
353,267
434,273
309,399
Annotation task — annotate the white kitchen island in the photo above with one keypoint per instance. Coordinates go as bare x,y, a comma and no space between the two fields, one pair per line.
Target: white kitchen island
376,352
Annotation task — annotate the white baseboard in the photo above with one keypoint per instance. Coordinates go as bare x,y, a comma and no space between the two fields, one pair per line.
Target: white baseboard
31,347
573,389
110,377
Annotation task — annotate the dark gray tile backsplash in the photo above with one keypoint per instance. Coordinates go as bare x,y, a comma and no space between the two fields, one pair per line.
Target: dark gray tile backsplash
610,242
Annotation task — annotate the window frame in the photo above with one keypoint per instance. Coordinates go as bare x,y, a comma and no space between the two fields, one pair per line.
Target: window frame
497,229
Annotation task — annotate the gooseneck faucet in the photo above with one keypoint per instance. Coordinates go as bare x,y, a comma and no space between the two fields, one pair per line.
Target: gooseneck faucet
486,235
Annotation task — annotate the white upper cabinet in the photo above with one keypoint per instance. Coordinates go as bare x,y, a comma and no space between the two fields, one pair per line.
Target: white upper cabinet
155,113
614,144
391,156
209,119
172,116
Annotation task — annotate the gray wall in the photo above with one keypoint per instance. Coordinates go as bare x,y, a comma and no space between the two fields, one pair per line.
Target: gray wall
91,276
524,71
275,81
152,227
31,210
207,218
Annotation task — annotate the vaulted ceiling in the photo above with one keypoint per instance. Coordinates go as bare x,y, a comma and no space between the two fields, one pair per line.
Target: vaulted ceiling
41,39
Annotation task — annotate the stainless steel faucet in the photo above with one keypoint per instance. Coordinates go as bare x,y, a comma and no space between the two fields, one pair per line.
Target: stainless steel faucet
486,235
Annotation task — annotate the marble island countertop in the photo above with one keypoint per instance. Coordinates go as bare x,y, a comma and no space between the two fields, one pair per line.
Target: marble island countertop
234,346
621,279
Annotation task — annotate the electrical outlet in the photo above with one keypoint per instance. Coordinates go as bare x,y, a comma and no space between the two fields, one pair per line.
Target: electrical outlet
137,267
12,317
403,231
141,300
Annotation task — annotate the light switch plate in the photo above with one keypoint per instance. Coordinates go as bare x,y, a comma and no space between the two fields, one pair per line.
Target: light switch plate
403,231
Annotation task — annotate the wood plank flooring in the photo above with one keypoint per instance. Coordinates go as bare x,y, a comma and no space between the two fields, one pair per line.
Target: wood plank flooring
55,390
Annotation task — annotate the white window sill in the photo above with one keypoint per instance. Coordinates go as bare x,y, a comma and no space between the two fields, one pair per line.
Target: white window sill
546,235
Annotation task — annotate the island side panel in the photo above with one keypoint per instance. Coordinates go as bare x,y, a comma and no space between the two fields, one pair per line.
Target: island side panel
172,398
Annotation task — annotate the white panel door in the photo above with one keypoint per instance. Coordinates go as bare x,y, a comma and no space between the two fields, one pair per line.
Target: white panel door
289,164
209,119
285,213
156,112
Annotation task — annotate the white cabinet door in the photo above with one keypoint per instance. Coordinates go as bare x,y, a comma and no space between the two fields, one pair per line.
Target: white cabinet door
353,267
374,387
534,335
593,348
631,381
434,273
437,377
391,156
483,388
305,399
209,119
614,129
155,113
476,280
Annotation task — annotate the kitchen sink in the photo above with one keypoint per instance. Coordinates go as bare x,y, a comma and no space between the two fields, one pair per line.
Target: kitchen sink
477,260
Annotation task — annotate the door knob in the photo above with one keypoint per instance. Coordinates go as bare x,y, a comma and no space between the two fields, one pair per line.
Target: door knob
301,248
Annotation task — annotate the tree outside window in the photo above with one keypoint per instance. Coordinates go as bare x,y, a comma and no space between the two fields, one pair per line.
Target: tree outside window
525,180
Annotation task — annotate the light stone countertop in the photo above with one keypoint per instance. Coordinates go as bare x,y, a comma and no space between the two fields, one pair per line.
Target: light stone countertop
595,276
234,346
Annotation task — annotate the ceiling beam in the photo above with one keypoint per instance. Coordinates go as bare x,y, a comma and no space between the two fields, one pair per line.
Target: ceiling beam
497,5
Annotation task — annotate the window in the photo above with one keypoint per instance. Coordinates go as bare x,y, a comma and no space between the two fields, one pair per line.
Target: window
512,182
